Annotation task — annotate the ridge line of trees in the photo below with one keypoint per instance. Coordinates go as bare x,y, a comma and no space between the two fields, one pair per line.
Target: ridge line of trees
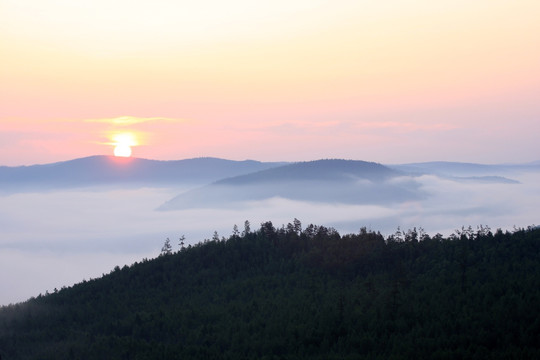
299,293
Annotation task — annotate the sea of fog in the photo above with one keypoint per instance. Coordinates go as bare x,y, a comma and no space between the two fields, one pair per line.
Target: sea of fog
58,238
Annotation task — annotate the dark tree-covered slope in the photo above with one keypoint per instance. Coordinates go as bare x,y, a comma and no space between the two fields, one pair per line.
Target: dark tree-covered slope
289,293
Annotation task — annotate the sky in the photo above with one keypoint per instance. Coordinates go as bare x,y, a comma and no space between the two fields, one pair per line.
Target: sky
391,81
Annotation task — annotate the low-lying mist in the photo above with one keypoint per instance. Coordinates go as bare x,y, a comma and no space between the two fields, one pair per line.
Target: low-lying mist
58,238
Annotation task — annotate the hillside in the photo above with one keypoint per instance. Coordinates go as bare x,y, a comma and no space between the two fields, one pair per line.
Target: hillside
332,181
329,169
299,294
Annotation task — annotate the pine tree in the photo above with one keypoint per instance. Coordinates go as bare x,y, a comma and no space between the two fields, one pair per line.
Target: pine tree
167,248
181,243
247,228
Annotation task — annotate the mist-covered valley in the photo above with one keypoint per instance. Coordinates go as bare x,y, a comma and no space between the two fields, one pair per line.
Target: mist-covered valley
58,228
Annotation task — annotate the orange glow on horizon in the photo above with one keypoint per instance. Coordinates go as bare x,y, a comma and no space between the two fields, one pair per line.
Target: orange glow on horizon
233,79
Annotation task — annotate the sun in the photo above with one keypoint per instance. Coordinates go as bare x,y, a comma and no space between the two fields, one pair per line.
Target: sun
123,143
122,150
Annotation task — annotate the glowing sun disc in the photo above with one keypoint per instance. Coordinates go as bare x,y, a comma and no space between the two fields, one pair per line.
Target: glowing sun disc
122,150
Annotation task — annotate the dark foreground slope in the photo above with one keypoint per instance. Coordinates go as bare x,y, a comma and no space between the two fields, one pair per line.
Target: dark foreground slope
291,294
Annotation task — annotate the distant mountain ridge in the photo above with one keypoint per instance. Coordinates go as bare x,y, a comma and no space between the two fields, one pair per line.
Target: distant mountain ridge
103,170
333,181
321,170
448,168
328,180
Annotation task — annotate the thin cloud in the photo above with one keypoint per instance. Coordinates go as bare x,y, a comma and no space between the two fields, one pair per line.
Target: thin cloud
132,120
404,125
350,125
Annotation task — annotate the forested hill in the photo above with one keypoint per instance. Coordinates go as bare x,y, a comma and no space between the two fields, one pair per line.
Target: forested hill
293,293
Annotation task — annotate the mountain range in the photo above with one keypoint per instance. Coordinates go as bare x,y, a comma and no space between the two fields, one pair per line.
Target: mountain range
334,181
456,169
215,182
110,170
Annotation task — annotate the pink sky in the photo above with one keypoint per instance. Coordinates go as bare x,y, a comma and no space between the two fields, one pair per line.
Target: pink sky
389,81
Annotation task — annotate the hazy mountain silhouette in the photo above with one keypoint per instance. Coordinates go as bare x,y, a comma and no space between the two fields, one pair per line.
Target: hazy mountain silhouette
341,181
110,170
322,170
457,169
334,181
486,179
